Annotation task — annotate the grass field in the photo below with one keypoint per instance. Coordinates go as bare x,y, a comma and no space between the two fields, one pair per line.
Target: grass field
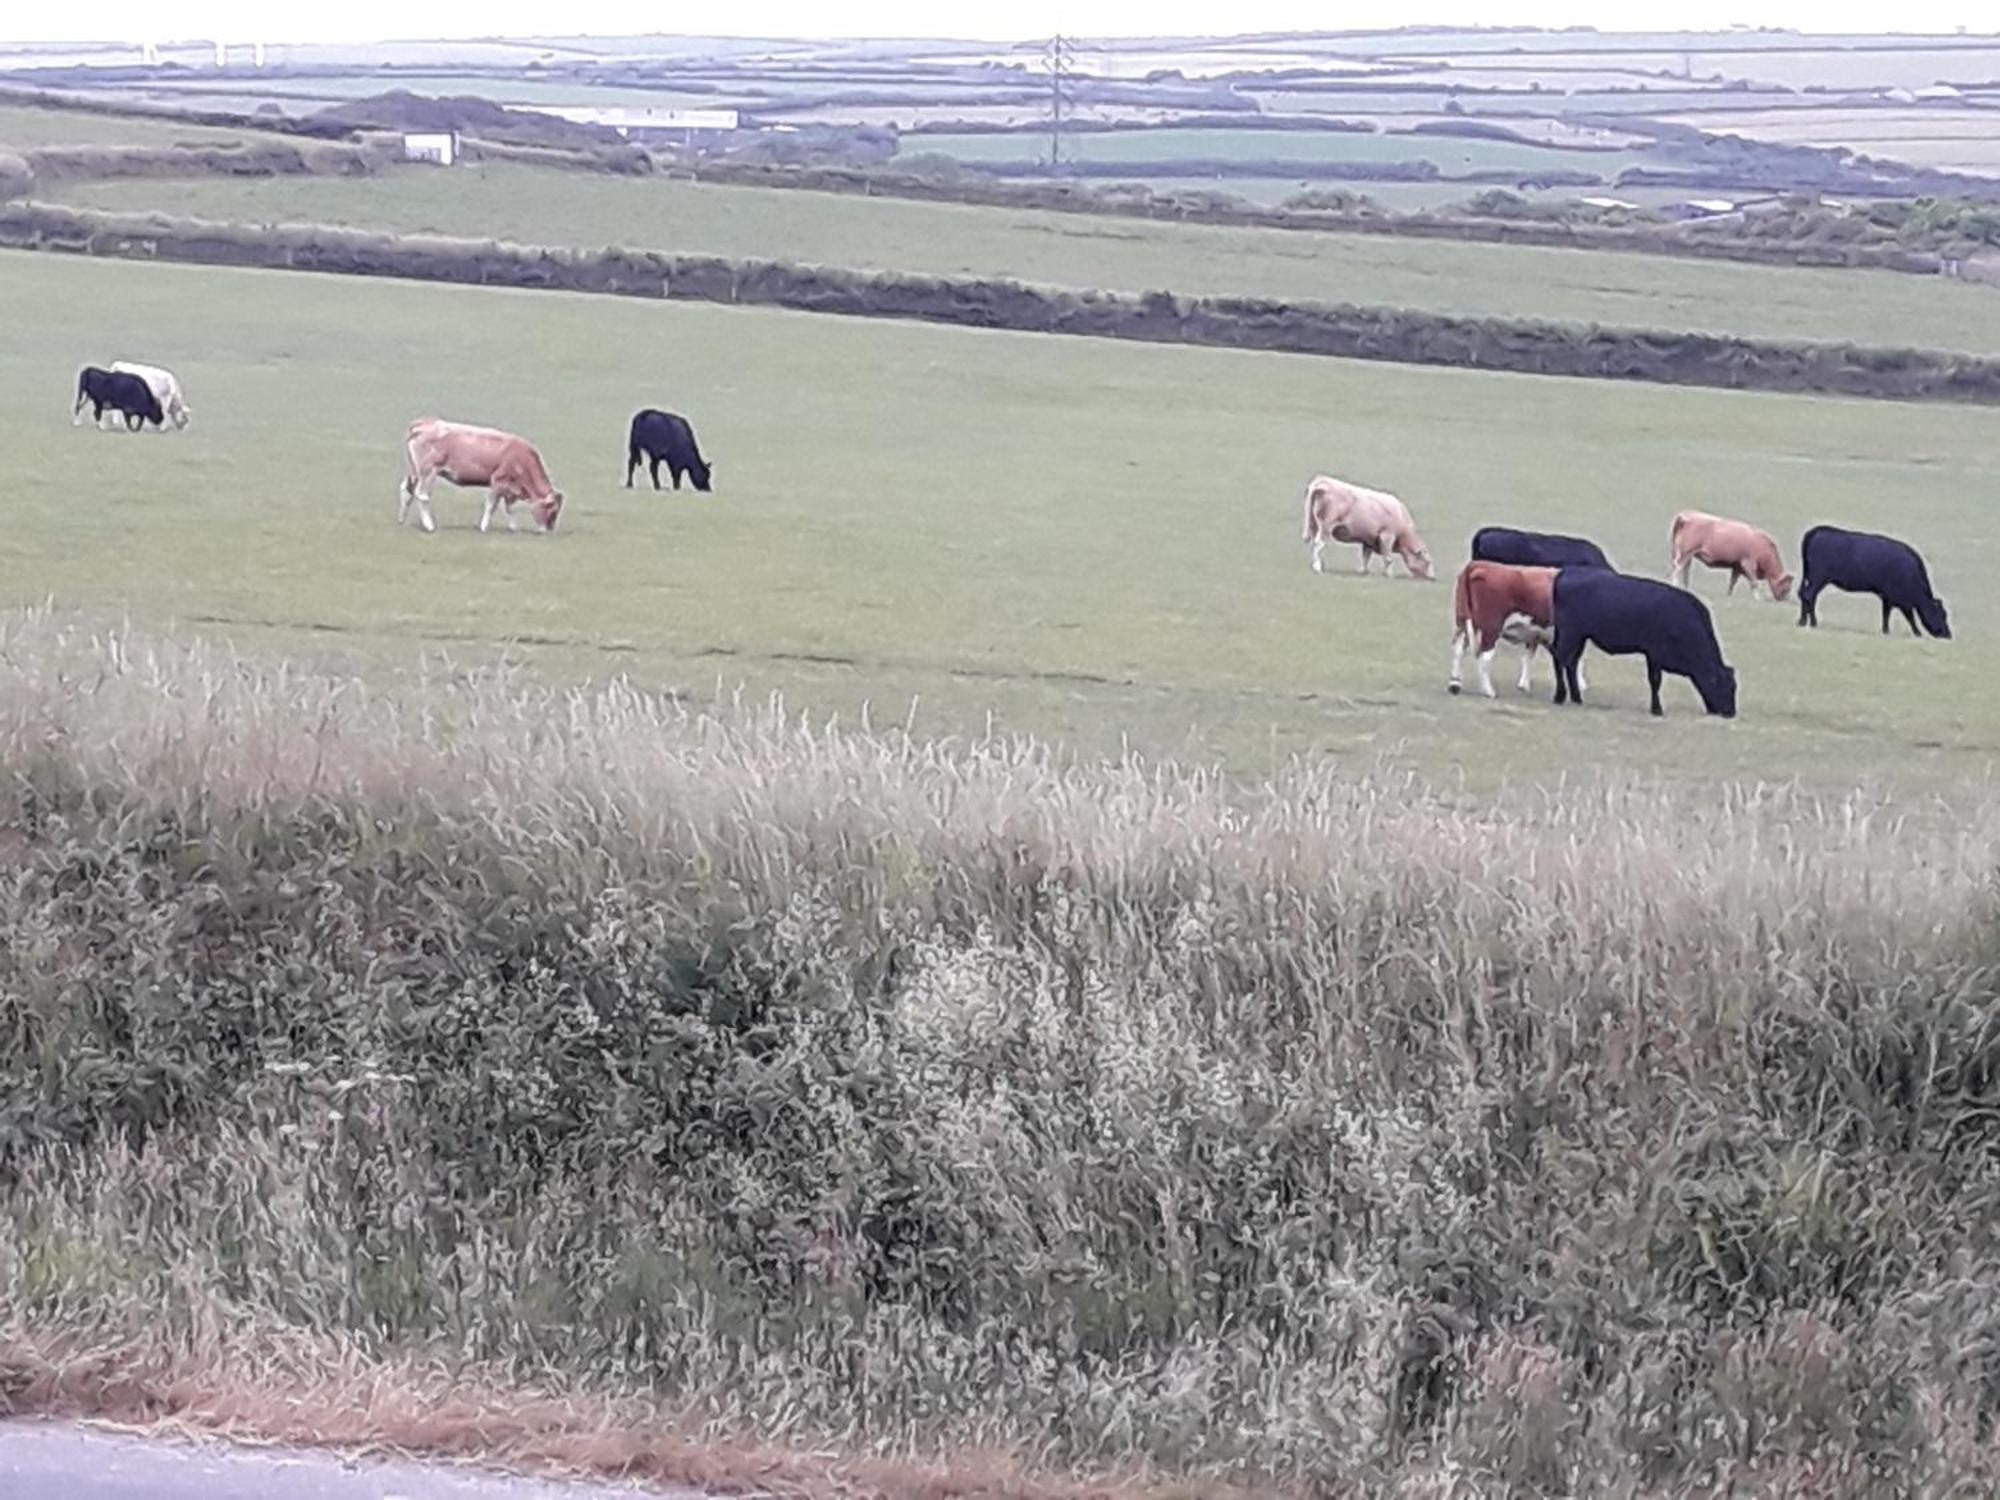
25,127
1090,540
1452,155
538,206
1960,140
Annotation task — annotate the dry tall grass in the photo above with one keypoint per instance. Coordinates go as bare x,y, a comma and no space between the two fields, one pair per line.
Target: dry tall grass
853,1090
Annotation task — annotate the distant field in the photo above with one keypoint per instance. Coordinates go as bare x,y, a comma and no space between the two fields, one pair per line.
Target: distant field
1965,140
524,91
24,126
535,206
1089,539
1452,155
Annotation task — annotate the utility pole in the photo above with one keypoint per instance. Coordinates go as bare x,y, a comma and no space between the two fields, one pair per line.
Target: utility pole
1059,57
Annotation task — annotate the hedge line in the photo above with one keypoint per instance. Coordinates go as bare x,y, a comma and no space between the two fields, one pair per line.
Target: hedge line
1342,330
245,159
1071,196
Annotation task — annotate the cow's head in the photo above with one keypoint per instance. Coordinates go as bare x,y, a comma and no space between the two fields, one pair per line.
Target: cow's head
548,509
702,475
1717,687
1931,612
1781,587
1419,559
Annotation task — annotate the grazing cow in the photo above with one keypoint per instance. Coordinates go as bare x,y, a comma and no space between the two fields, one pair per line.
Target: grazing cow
661,436
127,395
507,467
165,386
1720,542
1535,549
1864,563
1378,523
1624,616
1493,602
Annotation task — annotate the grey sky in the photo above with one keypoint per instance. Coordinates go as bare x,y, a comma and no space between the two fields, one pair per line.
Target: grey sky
164,20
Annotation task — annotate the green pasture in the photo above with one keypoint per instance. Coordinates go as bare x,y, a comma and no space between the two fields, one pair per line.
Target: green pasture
1090,540
540,206
24,127
1452,155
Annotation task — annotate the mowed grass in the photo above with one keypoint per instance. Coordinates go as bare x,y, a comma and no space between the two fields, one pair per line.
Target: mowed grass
539,206
1088,540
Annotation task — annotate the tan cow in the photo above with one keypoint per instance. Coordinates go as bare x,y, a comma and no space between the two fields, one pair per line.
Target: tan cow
1377,522
507,467
1492,602
1722,543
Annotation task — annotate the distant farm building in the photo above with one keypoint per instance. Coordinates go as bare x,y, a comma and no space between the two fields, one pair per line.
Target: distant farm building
439,146
647,126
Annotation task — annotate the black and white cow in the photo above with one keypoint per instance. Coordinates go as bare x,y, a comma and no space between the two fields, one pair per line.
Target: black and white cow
115,390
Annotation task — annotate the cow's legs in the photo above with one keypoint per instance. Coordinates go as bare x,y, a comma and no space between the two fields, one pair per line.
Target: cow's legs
416,490
1809,604
1565,654
1460,634
1677,569
1910,616
1653,681
1319,546
655,459
486,512
1734,574
1367,553
631,463
1527,656
1486,666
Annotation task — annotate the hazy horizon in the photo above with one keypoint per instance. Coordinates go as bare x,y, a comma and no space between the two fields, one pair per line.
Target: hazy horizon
981,20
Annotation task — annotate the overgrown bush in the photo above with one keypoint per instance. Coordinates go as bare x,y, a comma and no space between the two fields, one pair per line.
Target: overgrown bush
1318,1131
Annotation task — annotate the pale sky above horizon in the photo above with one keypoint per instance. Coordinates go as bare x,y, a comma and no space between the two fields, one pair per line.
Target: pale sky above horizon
997,20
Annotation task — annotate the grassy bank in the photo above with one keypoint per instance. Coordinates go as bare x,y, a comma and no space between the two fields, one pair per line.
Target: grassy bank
1316,1133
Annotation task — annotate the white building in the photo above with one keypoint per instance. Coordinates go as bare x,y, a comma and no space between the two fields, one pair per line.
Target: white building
439,146
647,125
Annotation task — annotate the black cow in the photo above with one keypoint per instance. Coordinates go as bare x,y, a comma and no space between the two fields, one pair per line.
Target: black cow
1534,549
1864,563
1623,616
660,435
125,394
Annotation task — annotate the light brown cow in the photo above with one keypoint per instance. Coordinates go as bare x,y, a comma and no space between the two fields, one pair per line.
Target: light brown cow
1492,602
1377,522
1722,543
507,467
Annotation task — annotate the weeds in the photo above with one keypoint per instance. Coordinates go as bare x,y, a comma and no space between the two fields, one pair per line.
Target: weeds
859,1090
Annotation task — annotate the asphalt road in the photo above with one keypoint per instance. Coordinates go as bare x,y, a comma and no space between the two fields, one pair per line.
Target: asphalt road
59,1461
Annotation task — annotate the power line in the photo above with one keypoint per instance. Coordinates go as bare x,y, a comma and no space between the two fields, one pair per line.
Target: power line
1059,57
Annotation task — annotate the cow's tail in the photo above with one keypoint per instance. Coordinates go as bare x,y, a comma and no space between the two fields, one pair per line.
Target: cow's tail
1312,497
1461,607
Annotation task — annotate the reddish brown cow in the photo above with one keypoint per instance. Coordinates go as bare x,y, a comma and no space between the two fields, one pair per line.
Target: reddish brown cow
1722,543
1495,601
1377,522
507,467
